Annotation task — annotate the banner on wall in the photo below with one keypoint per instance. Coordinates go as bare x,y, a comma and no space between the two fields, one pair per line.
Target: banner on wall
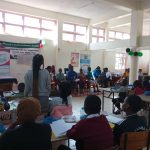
4,62
85,62
75,59
22,52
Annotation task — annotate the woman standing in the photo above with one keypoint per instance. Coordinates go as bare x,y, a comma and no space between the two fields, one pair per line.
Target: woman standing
37,82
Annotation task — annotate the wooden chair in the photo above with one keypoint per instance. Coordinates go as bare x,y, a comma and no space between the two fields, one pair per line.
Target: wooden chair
135,140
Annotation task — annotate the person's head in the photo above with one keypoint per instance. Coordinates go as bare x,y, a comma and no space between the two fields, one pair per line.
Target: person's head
137,83
81,70
71,68
89,69
98,68
132,104
28,109
60,70
140,70
38,60
49,68
92,104
65,91
21,87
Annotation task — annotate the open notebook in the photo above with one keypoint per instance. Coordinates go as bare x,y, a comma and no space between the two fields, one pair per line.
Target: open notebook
60,127
113,119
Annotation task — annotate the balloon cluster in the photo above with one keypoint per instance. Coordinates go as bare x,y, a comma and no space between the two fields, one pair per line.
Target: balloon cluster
132,53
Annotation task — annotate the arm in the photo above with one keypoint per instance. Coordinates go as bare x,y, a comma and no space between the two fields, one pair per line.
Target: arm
26,90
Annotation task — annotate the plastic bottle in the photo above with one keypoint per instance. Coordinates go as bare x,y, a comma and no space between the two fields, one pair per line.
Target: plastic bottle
83,115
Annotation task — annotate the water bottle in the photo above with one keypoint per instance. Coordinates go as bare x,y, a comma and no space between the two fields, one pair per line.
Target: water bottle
83,115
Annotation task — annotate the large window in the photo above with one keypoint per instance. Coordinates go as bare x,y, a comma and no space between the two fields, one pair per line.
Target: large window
114,35
74,32
120,61
98,35
23,25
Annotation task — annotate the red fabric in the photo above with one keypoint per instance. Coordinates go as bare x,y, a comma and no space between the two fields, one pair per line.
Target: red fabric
138,91
95,133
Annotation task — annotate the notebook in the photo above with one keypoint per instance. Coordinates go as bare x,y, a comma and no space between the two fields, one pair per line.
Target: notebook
113,119
60,127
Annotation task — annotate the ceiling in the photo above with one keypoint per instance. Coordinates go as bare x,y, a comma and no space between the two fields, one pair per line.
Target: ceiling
113,13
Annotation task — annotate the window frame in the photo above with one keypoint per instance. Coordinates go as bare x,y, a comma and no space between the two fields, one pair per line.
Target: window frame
4,23
122,62
97,36
74,33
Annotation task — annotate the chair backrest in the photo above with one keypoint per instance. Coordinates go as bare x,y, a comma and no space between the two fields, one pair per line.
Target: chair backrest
61,110
135,140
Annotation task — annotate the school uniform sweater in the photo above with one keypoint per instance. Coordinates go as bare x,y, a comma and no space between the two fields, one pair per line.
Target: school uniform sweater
92,134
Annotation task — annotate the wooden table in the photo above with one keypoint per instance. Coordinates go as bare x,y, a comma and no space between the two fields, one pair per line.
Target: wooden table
146,99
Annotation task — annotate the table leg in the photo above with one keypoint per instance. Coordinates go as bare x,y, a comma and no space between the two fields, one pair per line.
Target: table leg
103,101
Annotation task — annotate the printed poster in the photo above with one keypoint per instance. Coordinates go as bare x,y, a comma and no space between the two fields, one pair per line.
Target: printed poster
22,52
4,62
85,62
75,59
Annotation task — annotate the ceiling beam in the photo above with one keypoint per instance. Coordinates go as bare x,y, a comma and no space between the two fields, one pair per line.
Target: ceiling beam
132,4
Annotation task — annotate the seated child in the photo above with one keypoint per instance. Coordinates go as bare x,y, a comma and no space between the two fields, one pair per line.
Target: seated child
25,133
123,91
133,122
65,99
94,132
137,87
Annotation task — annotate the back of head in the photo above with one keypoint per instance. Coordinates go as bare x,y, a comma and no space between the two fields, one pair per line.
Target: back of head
21,87
28,109
92,104
137,83
65,91
38,60
135,103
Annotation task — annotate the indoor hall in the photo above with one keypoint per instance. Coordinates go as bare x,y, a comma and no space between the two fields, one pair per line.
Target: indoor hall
111,36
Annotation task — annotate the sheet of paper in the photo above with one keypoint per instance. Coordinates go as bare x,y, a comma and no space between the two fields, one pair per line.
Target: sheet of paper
60,128
113,119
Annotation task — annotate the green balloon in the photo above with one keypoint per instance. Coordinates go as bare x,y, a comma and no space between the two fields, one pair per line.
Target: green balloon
131,53
140,54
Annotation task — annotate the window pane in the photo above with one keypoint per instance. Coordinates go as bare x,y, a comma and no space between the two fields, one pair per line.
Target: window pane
30,32
94,32
1,17
1,29
111,34
94,40
14,19
80,29
126,36
68,37
101,40
46,24
80,38
118,35
48,34
14,30
68,27
33,22
101,32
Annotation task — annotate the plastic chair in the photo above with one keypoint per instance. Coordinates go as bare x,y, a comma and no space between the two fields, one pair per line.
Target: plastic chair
135,140
61,110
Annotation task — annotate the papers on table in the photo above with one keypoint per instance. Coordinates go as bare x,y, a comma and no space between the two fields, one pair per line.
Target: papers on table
113,119
60,127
